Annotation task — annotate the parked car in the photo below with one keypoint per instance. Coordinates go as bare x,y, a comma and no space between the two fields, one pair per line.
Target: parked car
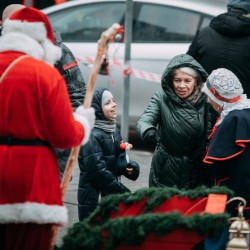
161,30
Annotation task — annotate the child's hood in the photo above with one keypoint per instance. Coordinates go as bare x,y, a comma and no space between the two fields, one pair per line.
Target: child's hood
97,103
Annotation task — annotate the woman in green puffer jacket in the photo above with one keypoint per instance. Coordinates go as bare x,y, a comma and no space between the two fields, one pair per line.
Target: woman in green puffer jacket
178,121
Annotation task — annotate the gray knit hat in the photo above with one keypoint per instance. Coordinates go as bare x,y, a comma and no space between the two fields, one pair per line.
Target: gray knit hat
222,86
242,5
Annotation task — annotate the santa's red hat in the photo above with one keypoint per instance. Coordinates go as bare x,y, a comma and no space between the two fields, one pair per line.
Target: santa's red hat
28,30
32,22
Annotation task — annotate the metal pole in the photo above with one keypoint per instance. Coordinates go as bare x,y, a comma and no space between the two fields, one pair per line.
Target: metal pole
126,87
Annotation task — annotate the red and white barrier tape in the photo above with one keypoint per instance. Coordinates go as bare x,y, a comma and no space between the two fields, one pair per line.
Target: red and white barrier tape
140,74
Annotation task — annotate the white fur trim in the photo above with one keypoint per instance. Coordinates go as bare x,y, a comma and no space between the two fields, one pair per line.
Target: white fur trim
22,43
45,51
52,53
36,30
31,212
86,125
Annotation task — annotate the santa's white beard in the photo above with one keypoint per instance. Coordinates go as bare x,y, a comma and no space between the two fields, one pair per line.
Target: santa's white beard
45,51
52,53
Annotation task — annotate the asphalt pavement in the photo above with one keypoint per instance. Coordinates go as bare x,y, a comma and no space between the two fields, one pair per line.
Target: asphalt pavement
143,157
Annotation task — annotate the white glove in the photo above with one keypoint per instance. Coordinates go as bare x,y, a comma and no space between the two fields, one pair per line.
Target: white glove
87,118
88,113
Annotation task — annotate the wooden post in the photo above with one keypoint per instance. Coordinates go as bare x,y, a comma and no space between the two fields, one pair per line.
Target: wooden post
103,42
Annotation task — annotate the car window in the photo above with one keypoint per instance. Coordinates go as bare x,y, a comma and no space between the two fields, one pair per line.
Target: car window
86,22
206,21
159,23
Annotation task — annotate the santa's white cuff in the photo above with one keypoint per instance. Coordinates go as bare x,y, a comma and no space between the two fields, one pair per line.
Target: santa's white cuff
86,125
33,212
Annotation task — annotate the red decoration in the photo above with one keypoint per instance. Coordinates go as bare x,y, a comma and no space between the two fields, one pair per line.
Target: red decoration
179,238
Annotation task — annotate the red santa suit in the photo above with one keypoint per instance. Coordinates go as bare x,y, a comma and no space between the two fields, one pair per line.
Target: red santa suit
36,115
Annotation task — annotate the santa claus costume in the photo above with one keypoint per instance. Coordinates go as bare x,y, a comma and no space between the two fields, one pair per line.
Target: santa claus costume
36,115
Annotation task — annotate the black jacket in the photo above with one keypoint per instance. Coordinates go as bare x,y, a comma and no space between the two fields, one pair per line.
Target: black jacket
69,69
225,44
73,77
98,160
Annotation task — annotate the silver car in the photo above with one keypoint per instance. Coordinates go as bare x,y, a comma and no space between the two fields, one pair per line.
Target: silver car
161,30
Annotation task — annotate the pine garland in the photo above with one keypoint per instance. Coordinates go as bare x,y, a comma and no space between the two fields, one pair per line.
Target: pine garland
133,230
155,196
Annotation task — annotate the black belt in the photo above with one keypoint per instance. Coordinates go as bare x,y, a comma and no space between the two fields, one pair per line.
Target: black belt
10,141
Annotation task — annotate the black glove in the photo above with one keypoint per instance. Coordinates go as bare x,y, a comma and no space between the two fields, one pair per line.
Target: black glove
134,174
151,137
121,164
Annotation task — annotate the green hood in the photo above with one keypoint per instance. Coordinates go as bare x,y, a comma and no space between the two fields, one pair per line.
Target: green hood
182,60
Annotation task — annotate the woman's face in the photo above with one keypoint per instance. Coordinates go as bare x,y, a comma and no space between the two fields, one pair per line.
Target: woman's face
109,110
183,84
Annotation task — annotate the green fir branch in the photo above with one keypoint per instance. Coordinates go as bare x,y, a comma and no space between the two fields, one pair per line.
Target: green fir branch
155,196
133,230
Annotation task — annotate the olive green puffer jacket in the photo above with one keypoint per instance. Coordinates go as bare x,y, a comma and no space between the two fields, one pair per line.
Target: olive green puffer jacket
183,129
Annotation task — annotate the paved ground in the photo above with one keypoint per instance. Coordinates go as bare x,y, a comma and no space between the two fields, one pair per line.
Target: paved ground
144,160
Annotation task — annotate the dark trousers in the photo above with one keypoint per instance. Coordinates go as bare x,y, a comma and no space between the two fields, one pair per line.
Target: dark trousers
25,236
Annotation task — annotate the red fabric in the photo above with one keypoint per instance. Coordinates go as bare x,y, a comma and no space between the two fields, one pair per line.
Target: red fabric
130,210
182,204
60,1
26,237
34,104
69,66
179,239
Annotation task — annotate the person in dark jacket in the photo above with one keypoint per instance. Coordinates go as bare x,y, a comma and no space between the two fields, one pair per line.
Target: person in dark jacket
229,147
225,42
68,67
102,159
177,121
